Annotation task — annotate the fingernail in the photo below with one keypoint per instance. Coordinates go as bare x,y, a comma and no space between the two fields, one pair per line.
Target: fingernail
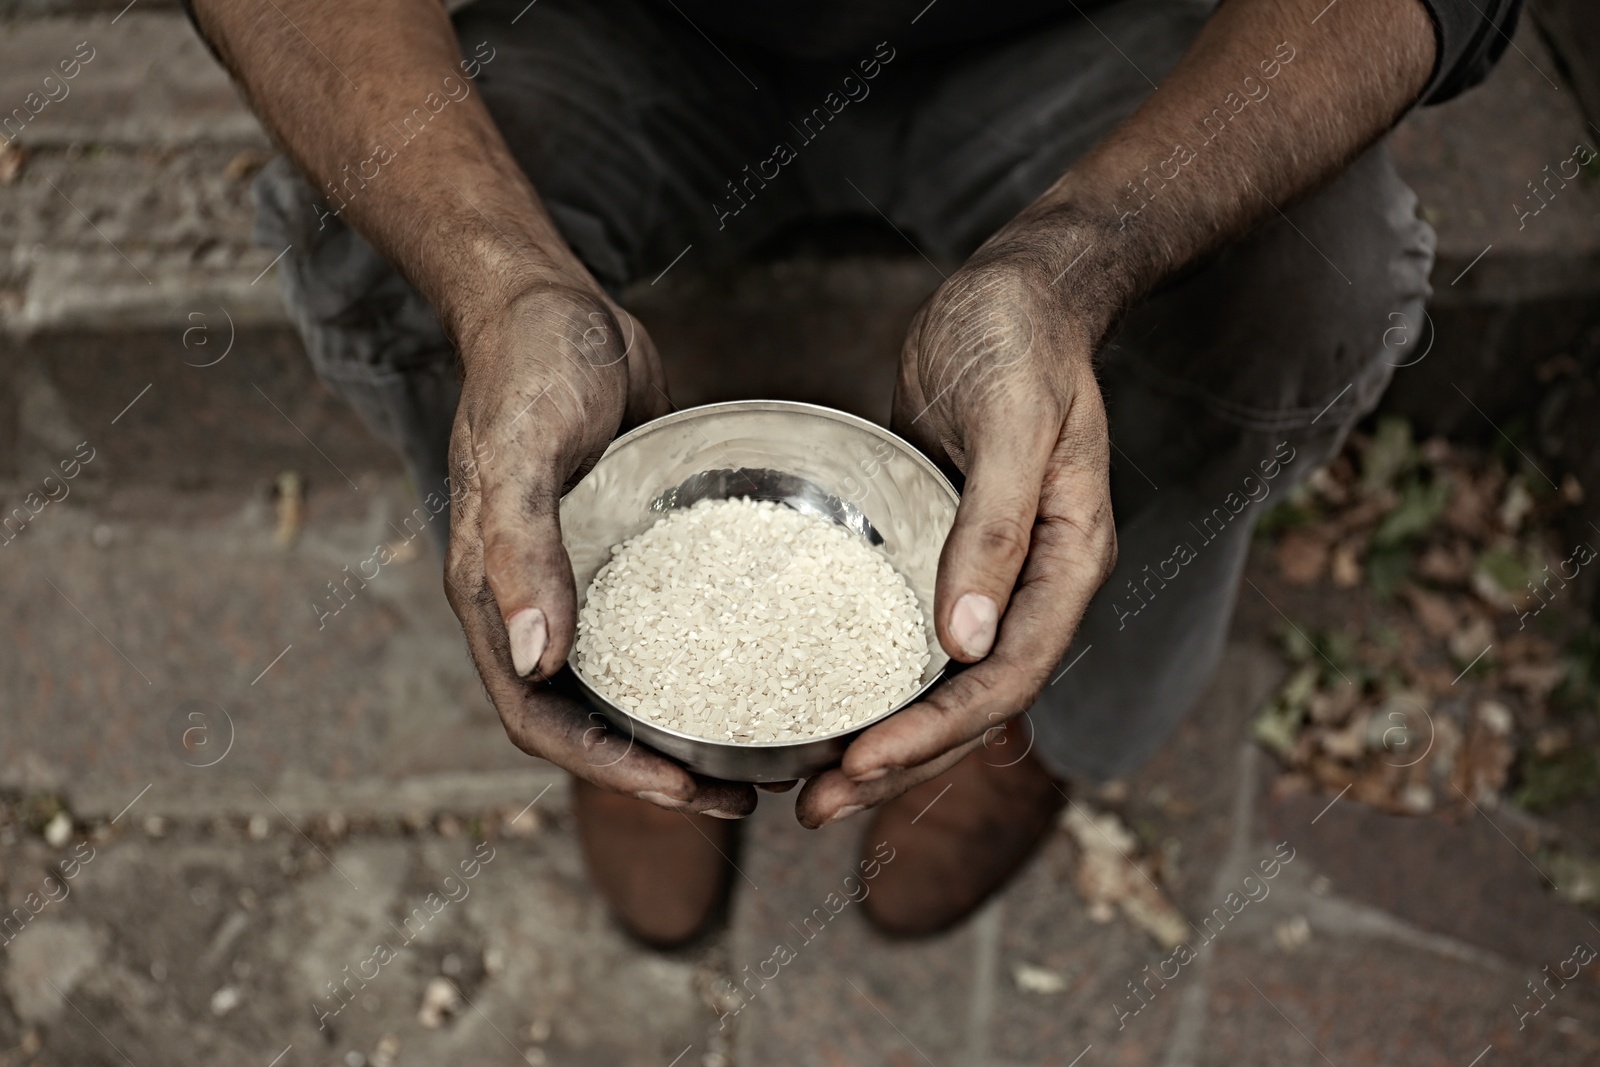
660,799
527,632
870,776
843,813
972,624
718,813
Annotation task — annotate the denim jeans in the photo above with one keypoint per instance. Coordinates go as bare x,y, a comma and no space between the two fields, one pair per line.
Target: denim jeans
1225,388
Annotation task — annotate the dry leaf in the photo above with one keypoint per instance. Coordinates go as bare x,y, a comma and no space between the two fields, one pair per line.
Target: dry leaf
13,157
1415,799
1326,484
1470,641
1369,511
1302,556
291,509
1536,680
439,1001
1109,874
245,164
1433,611
1516,507
1576,877
1552,741
1485,760
1470,507
1450,565
1346,565
1333,705
1349,743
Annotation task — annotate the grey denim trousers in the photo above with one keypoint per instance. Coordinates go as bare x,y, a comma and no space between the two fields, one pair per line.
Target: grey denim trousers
1225,388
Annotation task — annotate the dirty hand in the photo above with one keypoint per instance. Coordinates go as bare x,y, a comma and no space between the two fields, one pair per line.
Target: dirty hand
552,372
996,379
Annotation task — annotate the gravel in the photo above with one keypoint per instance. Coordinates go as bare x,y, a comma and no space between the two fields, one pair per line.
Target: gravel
748,621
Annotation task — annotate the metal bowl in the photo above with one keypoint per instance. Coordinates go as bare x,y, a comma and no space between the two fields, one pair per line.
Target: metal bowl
814,459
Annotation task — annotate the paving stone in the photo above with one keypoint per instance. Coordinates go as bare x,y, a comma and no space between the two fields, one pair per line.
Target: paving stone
1368,1004
1044,925
567,964
223,429
55,952
1461,877
882,1001
196,799
958,997
176,622
1180,796
171,924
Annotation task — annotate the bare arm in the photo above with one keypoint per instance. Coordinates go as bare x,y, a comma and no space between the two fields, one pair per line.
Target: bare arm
1352,74
1016,332
457,216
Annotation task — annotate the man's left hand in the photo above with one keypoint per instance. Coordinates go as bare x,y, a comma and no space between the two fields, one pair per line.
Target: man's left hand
996,377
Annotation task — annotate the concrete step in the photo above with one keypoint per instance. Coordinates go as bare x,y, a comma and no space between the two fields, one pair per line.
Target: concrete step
144,79
1516,283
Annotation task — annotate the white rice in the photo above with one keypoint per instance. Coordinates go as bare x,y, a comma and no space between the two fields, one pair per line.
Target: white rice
749,621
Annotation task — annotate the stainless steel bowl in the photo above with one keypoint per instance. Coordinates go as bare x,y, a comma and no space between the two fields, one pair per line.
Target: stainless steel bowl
814,459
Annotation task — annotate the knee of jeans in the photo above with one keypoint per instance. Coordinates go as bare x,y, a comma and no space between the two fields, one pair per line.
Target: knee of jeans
1380,322
1312,308
1392,246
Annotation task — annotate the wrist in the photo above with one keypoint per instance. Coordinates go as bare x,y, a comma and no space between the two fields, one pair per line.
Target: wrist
494,272
1075,258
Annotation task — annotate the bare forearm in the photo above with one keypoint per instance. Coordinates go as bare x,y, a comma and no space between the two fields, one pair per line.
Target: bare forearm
1265,106
335,84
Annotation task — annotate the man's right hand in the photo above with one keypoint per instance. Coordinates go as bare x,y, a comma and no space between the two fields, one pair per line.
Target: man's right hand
553,367
551,375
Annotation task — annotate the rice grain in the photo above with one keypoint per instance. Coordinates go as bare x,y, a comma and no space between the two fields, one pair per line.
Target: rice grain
748,621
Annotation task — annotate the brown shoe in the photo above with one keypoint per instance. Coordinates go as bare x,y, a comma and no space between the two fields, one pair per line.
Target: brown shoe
660,870
950,856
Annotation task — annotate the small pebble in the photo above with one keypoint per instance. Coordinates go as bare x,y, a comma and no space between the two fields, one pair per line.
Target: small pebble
225,1000
439,1002
58,831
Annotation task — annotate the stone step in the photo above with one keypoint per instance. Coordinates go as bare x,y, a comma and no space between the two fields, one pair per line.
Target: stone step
1471,161
143,79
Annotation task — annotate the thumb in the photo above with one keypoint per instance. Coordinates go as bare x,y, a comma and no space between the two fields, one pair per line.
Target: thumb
989,541
528,570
